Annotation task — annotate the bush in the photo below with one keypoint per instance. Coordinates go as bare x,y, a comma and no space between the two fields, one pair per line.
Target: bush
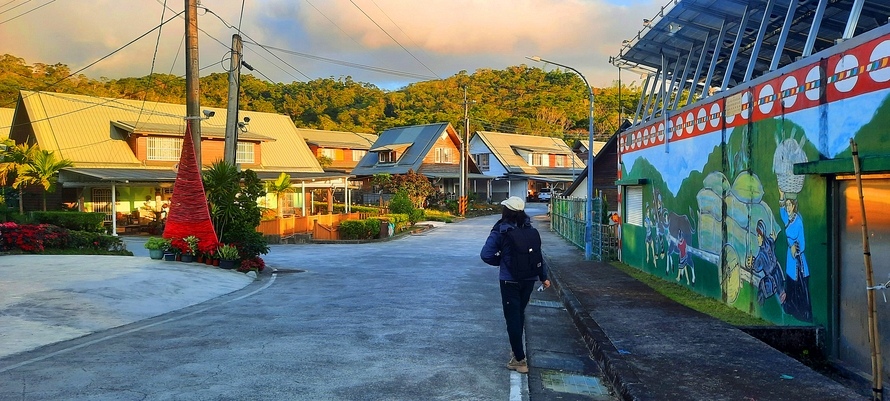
39,238
416,215
400,203
250,243
80,221
359,229
439,216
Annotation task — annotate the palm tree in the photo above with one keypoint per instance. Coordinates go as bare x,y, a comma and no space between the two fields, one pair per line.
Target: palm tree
12,161
280,186
42,170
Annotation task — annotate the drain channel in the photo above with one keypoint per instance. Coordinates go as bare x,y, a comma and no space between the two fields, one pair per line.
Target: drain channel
546,304
574,384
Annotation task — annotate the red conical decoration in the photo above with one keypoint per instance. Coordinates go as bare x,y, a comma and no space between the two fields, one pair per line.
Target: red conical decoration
188,213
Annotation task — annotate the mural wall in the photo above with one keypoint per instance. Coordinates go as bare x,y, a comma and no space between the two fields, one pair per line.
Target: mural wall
722,210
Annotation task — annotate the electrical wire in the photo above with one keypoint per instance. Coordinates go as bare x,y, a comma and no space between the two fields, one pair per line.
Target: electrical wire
347,64
13,7
248,37
394,39
103,57
153,59
333,23
27,12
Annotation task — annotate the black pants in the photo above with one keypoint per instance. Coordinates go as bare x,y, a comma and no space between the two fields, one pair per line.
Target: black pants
514,297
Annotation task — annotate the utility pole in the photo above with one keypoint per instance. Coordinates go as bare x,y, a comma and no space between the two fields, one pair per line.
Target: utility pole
464,164
231,149
192,89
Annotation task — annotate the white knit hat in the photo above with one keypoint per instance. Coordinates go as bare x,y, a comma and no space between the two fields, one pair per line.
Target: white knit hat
514,203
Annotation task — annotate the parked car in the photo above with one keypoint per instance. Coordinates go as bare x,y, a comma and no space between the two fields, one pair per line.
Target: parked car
545,194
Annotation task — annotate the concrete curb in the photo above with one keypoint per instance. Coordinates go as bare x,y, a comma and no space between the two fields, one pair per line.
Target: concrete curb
619,373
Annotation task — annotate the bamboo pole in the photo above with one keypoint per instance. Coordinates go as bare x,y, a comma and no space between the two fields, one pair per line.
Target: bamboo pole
876,362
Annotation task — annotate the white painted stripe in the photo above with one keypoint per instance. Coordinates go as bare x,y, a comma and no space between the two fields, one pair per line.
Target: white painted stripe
133,330
518,386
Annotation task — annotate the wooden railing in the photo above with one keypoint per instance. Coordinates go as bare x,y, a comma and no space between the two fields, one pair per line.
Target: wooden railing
324,232
290,225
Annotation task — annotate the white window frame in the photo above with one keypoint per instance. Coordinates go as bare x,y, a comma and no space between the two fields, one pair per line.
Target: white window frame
329,153
445,156
357,155
633,205
161,148
386,156
537,159
560,160
483,161
244,153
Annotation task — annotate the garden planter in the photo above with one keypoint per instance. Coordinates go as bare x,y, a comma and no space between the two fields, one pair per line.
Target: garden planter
188,258
228,264
216,262
156,254
170,257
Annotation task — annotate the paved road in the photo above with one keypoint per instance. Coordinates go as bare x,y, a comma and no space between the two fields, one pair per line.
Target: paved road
418,318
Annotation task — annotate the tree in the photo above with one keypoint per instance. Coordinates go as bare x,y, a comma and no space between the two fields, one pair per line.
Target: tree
280,186
14,159
43,169
415,185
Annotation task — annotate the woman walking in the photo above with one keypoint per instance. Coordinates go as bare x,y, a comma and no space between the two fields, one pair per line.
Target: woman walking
515,294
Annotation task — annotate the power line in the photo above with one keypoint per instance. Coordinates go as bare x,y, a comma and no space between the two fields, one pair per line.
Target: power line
332,22
13,7
347,63
105,56
153,59
27,12
394,39
248,37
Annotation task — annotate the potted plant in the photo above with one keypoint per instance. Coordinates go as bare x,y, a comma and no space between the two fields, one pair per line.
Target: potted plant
191,248
228,256
156,247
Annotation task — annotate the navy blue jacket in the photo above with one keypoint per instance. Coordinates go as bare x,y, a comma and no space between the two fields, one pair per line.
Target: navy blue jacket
494,251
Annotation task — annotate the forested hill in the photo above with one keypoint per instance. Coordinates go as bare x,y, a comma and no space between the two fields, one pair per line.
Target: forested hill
518,99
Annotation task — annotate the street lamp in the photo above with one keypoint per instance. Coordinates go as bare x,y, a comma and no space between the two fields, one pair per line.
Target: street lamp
588,216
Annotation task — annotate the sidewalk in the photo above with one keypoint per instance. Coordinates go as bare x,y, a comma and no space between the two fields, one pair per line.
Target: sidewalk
652,348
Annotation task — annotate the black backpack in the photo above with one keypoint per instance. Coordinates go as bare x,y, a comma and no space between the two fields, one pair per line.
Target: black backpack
526,261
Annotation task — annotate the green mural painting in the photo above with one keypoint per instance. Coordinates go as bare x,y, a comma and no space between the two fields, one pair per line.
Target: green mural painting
737,223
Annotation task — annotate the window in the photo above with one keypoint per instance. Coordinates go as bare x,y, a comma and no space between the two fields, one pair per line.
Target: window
537,159
358,155
482,161
329,153
244,154
633,208
560,160
386,156
164,149
445,155
102,202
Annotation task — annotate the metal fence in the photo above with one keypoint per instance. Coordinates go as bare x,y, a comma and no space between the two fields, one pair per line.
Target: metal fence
567,219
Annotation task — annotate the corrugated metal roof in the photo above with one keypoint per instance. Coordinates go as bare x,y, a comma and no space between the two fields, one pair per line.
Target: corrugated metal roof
5,122
78,128
337,139
502,147
420,137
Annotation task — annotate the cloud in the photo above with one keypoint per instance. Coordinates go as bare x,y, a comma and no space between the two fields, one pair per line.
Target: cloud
443,36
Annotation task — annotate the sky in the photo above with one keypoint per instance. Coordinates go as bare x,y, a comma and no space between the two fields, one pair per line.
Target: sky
389,43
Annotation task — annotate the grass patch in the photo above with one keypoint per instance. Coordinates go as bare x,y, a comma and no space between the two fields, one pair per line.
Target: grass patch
693,300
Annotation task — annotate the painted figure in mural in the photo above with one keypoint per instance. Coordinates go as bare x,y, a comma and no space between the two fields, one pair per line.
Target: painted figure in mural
660,223
676,223
797,272
650,234
685,266
766,266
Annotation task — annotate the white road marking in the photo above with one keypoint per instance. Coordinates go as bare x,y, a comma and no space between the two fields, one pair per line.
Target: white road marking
133,330
518,386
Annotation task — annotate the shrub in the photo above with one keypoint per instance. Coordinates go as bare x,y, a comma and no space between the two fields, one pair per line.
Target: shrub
228,252
439,216
400,203
416,215
157,243
38,238
399,221
80,221
257,264
250,243
95,241
358,229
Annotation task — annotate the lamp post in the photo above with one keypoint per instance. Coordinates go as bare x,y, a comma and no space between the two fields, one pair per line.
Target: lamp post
588,216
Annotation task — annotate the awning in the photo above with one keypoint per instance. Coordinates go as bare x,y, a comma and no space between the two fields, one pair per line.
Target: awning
544,178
